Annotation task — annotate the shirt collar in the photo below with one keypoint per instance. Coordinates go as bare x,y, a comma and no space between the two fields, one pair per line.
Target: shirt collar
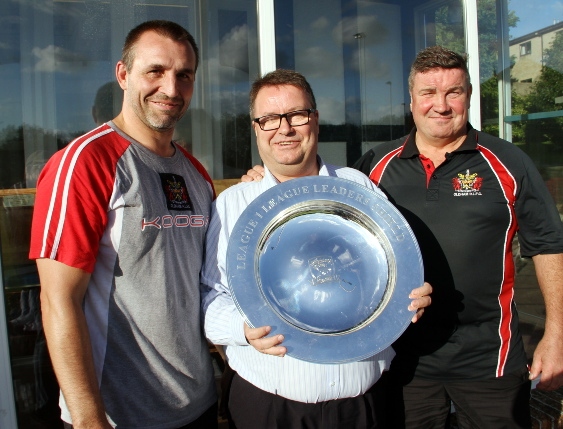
323,171
410,150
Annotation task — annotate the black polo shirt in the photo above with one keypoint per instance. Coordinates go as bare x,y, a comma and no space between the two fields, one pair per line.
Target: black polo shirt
465,214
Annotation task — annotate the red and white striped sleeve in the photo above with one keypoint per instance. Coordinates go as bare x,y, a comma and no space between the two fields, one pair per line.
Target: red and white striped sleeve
72,200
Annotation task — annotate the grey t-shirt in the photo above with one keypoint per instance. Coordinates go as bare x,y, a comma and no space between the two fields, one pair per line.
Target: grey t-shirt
143,302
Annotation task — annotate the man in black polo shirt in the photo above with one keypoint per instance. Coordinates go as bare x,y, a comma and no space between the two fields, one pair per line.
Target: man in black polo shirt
466,194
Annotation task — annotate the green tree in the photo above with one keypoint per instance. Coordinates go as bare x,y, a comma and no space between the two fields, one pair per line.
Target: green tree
553,56
449,26
450,32
488,22
489,45
543,136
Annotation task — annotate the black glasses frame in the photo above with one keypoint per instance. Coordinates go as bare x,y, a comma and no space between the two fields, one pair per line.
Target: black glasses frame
284,115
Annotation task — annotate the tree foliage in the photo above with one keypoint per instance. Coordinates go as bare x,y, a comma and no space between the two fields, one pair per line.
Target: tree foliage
543,137
450,32
553,55
488,24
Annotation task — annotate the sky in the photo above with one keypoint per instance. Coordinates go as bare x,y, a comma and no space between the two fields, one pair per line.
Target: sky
535,15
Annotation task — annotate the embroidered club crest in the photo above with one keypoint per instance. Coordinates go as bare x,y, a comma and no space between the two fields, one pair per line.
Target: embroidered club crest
467,183
175,191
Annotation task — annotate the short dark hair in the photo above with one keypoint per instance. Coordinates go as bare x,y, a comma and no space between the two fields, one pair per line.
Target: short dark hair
438,57
163,28
277,78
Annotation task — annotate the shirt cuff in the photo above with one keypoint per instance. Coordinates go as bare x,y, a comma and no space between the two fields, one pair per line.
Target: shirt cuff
237,329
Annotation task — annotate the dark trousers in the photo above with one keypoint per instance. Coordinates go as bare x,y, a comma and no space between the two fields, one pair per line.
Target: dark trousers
208,420
253,408
425,404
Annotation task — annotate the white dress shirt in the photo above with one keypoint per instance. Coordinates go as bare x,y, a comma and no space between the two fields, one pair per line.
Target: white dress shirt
291,378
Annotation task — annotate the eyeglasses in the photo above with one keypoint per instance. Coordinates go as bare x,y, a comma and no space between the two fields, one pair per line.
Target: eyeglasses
294,119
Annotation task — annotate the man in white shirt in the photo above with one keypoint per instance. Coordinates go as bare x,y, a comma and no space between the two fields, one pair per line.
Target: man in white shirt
270,389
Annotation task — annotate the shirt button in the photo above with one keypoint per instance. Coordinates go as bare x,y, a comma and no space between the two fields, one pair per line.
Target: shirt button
332,384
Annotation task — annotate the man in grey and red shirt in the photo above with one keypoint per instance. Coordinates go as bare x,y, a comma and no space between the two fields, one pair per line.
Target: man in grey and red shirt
118,232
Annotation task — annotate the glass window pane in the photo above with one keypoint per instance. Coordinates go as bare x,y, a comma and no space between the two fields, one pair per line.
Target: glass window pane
536,75
356,54
441,23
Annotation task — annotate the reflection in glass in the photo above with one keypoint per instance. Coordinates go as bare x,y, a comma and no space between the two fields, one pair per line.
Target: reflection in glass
35,388
521,81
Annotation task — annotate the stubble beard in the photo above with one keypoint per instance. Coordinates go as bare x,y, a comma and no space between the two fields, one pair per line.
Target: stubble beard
157,121
162,123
